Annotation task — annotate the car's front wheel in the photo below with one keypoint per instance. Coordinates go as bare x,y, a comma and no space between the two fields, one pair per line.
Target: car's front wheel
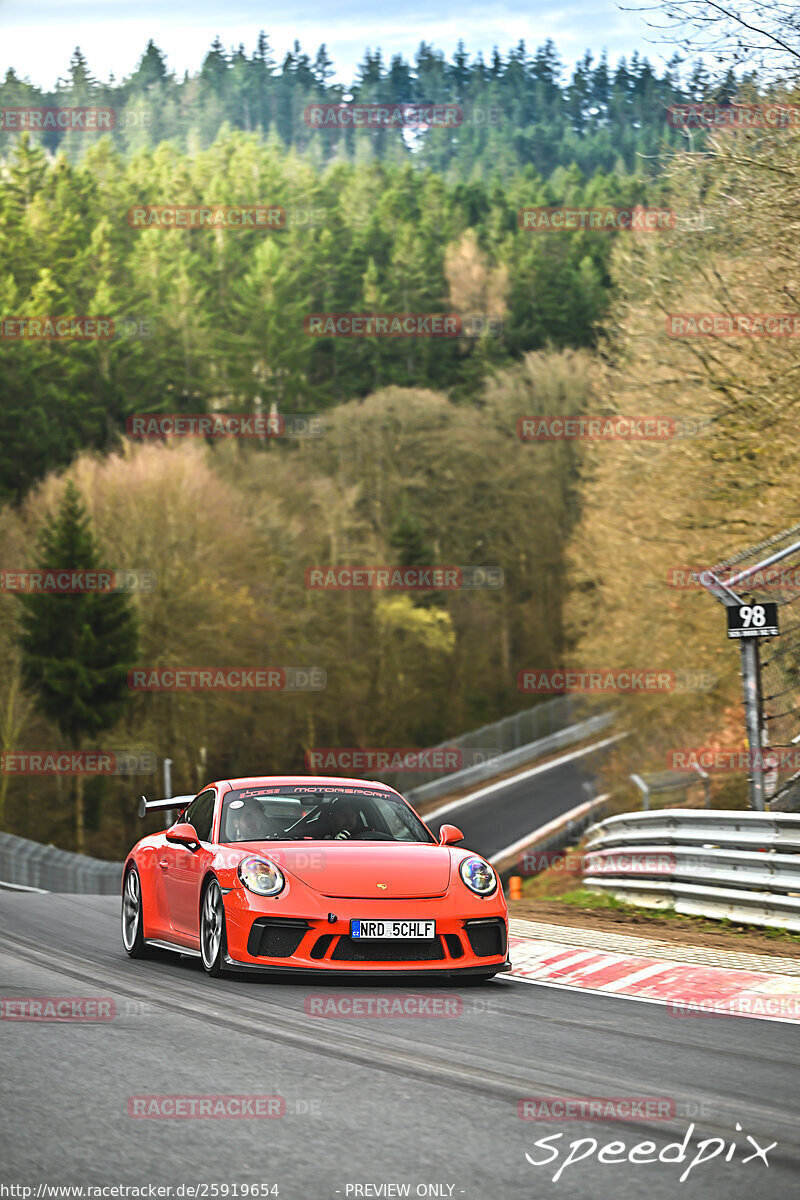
132,918
212,929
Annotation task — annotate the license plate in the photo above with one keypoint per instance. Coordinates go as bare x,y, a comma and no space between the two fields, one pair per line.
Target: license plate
392,929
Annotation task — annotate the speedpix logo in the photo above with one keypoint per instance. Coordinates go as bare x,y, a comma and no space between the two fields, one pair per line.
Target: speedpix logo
617,1152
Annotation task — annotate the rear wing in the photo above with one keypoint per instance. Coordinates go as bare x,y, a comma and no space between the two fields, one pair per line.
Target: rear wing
149,806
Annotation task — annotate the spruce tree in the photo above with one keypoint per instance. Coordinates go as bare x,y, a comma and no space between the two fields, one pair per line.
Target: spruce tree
76,648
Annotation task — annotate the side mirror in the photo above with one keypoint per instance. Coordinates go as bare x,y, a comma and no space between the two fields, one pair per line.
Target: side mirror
184,835
449,835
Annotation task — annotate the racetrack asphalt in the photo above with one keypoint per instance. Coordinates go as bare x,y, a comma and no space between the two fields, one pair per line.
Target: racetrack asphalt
519,805
425,1101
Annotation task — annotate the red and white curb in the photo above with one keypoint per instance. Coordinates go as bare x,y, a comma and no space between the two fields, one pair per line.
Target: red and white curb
687,989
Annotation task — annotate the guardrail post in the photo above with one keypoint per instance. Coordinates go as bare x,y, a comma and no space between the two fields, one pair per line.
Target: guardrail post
644,789
170,814
704,775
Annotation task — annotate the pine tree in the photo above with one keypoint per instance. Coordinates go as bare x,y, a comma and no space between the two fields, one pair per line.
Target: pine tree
76,648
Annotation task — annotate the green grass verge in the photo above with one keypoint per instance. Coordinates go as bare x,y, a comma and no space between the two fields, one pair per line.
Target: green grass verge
586,898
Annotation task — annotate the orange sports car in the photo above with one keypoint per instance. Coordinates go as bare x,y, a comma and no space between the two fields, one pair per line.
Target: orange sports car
299,873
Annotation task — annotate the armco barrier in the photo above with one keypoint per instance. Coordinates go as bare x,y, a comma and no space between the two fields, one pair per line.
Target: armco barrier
25,864
744,866
507,762
564,830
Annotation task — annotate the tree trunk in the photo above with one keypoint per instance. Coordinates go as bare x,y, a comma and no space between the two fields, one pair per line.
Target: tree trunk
80,841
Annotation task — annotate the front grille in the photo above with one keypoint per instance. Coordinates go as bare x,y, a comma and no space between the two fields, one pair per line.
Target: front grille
276,937
349,949
321,945
487,938
454,945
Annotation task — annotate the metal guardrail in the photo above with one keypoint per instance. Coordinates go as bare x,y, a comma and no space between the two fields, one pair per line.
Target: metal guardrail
29,865
506,762
564,830
743,866
484,746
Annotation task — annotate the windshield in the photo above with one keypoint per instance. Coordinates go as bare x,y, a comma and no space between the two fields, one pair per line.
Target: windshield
304,813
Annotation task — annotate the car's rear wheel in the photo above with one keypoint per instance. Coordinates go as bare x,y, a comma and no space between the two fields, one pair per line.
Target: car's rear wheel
213,944
132,916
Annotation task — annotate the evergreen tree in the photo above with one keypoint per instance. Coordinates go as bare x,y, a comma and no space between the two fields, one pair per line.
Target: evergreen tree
76,649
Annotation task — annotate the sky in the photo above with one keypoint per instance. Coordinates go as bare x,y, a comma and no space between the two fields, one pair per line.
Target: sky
37,37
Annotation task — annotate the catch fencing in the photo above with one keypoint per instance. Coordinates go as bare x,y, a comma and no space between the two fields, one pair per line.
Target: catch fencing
769,572
490,749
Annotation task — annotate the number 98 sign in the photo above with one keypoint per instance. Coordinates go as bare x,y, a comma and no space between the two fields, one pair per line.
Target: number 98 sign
753,620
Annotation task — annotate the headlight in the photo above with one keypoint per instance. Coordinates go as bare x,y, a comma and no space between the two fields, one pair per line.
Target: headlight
478,876
261,876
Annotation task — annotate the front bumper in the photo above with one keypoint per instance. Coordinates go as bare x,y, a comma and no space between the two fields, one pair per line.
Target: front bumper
287,967
471,936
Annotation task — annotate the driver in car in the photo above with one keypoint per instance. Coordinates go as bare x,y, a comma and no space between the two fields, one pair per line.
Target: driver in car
246,824
344,821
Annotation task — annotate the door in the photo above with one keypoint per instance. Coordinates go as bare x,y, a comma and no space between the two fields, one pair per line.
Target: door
182,869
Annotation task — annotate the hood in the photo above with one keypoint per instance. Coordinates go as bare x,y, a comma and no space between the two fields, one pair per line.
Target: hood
354,869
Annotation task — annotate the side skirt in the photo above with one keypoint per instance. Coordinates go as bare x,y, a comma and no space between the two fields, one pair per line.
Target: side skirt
158,944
